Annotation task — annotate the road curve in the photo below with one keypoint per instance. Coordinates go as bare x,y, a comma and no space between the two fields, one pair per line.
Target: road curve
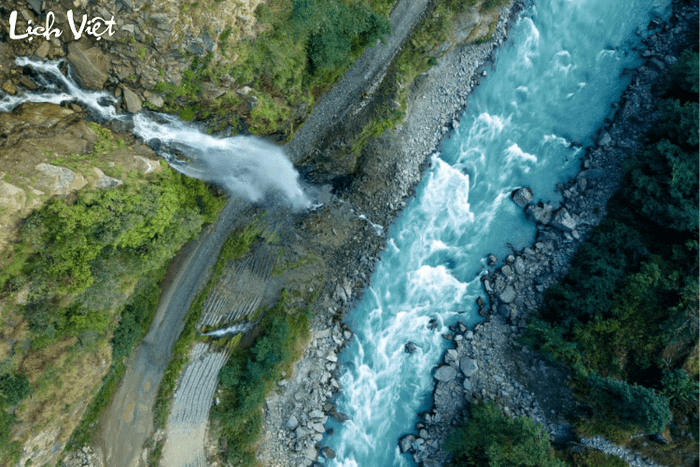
128,421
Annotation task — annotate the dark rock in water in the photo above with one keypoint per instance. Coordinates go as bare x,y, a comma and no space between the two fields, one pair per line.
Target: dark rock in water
492,259
432,324
328,453
410,347
522,196
340,416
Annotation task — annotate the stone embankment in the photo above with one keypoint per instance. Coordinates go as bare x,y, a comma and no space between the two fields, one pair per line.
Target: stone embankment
488,363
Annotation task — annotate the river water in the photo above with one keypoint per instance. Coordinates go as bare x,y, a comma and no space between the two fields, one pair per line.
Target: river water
551,88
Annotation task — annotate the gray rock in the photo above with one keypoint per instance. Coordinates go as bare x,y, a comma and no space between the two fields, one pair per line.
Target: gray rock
58,180
522,196
605,139
316,414
445,373
310,453
519,266
540,213
406,443
156,100
132,101
468,366
508,295
292,423
89,65
328,453
43,50
104,182
35,5
467,385
563,221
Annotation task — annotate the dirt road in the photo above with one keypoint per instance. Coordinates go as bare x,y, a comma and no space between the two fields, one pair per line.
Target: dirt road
128,421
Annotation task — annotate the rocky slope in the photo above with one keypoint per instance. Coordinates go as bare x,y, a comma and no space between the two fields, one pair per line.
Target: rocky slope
488,363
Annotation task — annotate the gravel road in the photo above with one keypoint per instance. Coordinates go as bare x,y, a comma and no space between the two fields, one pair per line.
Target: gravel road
363,77
128,421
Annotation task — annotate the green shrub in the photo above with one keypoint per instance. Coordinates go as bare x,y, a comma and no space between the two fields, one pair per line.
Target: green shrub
13,388
636,405
678,387
490,439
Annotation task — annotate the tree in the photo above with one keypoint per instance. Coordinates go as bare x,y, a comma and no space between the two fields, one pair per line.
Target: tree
635,405
491,439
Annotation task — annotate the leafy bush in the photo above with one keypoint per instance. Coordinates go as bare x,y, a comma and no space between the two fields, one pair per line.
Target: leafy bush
635,405
13,388
678,387
490,439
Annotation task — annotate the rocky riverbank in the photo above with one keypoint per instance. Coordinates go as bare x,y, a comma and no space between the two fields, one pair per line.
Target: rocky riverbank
487,363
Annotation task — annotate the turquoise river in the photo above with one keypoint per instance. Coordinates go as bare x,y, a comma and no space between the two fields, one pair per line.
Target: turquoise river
552,85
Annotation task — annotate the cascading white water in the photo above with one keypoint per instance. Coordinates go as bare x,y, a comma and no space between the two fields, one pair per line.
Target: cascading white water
244,165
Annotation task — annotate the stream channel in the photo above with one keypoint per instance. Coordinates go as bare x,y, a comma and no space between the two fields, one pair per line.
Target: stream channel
527,124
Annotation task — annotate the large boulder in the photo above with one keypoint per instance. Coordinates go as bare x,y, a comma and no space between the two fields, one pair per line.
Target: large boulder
132,101
563,221
406,443
522,196
540,212
445,373
103,181
468,366
57,180
90,65
508,294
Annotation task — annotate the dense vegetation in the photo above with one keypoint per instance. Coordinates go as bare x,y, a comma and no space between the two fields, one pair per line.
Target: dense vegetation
91,250
250,374
91,263
625,318
306,46
489,438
